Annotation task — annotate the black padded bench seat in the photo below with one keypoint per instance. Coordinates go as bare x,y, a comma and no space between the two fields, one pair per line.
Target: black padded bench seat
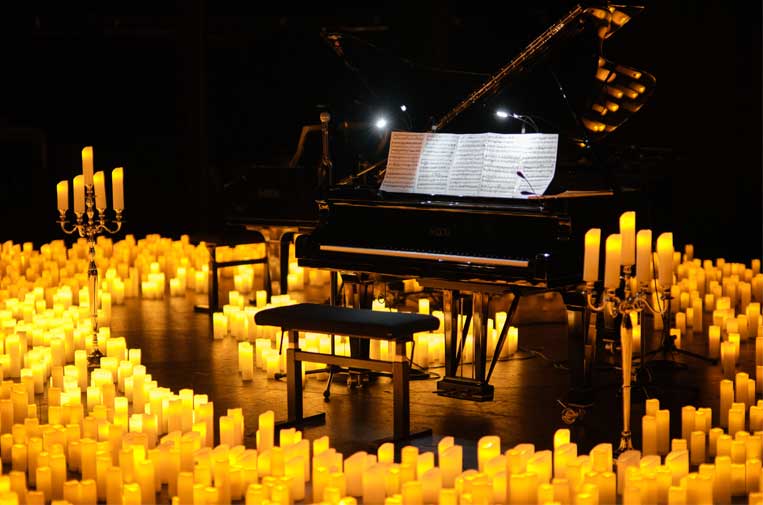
391,326
362,323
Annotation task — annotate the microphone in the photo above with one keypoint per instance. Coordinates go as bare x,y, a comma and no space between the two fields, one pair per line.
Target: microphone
532,190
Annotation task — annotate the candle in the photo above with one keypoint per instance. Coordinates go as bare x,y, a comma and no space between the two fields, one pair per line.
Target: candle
612,262
62,188
591,256
644,256
451,463
100,190
728,359
87,165
697,447
266,431
663,431
540,464
665,259
79,195
648,435
740,391
752,473
488,447
687,421
628,238
564,455
117,188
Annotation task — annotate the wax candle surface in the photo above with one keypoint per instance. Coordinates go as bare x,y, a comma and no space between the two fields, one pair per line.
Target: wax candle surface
79,195
62,188
87,165
628,238
99,184
644,256
117,187
665,257
591,257
612,262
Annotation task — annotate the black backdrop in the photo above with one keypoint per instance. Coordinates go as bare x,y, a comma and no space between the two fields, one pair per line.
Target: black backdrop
181,95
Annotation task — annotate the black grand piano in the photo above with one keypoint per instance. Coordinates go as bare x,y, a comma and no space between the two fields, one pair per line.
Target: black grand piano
476,249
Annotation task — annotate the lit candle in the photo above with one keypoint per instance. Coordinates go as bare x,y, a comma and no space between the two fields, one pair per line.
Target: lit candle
644,256
687,421
62,188
100,190
87,165
714,341
79,195
648,435
697,447
488,447
266,430
451,463
628,238
612,262
117,188
591,258
665,258
663,431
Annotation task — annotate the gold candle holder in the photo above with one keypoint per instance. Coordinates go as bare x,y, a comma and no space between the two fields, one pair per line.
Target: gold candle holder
89,224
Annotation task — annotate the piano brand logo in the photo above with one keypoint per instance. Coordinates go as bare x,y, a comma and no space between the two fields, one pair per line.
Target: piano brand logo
268,193
439,231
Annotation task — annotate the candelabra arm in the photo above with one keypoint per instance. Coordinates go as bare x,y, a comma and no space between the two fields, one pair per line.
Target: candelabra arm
643,300
117,222
589,299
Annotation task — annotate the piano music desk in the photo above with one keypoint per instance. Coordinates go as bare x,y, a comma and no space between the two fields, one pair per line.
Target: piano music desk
390,326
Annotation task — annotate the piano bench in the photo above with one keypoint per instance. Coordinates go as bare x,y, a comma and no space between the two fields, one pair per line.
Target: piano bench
390,326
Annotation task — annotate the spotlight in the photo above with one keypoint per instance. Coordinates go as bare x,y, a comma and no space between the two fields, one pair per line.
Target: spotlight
381,123
403,108
502,114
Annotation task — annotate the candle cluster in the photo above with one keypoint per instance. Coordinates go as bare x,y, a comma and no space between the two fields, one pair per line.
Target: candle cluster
97,182
628,248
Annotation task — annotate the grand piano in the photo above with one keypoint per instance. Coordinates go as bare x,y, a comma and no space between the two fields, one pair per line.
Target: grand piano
475,250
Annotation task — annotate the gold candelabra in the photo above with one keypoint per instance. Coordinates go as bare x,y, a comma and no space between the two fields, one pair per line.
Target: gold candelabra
624,305
90,220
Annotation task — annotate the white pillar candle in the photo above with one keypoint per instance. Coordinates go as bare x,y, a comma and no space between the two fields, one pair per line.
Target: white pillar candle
663,431
644,256
714,341
648,435
62,188
99,184
117,187
736,420
79,195
665,258
612,262
591,256
723,479
87,164
451,463
678,462
652,405
697,447
488,447
740,387
728,359
687,421
628,238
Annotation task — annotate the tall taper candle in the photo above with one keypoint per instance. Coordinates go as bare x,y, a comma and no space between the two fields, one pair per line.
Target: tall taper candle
628,238
87,164
612,262
79,195
100,190
117,187
591,258
644,256
665,255
62,188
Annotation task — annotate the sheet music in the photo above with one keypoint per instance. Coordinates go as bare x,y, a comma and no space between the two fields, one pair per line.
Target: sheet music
482,165
465,178
435,163
403,161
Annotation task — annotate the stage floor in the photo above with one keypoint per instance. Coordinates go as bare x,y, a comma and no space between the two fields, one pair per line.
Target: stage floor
178,352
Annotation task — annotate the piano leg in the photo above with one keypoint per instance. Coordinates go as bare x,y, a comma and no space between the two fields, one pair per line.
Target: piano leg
450,302
359,294
480,312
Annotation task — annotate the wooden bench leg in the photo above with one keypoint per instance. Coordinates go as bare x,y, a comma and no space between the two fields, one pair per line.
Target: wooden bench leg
295,415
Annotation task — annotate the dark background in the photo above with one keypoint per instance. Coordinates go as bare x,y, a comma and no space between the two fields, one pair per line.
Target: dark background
188,95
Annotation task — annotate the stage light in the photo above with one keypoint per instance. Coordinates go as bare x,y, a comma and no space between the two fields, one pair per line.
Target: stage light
502,114
403,108
381,123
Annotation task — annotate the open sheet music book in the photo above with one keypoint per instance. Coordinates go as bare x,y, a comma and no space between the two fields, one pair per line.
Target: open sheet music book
481,165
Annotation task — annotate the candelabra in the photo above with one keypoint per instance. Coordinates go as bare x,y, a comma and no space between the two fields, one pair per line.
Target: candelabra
624,305
89,221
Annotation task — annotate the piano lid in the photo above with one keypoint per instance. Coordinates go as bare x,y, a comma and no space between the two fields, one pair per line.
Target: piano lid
561,82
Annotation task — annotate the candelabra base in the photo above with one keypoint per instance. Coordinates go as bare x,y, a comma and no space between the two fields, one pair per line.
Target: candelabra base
94,359
626,443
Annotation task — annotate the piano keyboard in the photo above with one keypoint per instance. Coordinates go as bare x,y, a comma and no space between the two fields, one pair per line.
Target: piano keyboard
478,260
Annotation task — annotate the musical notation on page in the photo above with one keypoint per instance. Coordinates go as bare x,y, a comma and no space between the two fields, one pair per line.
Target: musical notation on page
482,165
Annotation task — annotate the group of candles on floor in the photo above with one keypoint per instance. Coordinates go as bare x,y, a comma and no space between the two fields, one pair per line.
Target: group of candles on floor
114,435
